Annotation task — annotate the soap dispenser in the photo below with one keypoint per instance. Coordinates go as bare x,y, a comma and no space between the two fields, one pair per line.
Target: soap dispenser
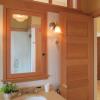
47,87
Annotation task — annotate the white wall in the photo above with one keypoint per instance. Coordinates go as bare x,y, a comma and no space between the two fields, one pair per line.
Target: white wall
53,51
53,55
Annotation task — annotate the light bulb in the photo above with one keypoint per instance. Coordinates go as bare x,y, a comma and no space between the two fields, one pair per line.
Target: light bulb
20,18
57,29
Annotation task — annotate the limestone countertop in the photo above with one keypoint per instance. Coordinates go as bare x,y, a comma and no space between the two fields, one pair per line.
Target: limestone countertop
52,95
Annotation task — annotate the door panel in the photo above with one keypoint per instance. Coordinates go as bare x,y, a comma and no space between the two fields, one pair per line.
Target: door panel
78,94
77,72
77,55
78,83
76,50
76,27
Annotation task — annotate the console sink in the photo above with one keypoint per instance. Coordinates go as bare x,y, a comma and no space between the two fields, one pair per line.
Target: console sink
35,98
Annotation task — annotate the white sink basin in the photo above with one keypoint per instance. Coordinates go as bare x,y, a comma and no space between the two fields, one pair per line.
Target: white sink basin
35,98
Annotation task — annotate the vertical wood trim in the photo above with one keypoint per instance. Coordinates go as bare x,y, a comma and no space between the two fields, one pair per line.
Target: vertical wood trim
50,2
70,3
79,4
4,45
63,46
45,47
98,58
63,77
1,1
91,58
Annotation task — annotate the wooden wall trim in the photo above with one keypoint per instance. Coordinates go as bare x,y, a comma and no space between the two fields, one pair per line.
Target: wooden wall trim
98,62
50,2
91,58
79,4
1,1
25,5
95,13
4,45
70,2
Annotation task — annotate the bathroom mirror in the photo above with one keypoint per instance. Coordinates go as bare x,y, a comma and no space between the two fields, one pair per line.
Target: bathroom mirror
26,43
25,37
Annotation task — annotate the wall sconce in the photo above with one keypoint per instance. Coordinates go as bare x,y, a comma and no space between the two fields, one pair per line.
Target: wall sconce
54,27
20,18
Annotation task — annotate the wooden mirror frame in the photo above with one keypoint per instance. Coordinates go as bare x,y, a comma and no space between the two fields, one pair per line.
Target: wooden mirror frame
42,72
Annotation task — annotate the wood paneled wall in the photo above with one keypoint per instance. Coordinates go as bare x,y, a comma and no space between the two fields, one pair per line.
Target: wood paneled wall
77,63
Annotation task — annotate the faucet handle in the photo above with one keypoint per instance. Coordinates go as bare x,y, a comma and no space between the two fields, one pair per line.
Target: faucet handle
35,90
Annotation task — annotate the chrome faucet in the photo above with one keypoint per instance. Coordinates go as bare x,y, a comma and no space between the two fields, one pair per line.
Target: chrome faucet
37,90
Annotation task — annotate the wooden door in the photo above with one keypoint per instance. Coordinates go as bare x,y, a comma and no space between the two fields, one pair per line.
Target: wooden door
77,56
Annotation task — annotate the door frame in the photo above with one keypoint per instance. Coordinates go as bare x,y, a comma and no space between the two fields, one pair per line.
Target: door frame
95,60
95,14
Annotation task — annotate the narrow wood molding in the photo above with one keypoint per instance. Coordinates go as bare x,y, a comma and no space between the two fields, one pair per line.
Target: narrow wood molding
50,2
31,5
37,6
70,2
79,4
4,43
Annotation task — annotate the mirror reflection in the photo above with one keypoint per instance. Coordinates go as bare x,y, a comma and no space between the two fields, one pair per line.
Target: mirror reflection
25,36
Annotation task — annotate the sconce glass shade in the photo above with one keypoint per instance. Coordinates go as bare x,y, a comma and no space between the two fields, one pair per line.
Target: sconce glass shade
52,25
57,29
20,18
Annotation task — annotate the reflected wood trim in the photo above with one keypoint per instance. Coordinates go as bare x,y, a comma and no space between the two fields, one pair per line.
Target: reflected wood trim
19,29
